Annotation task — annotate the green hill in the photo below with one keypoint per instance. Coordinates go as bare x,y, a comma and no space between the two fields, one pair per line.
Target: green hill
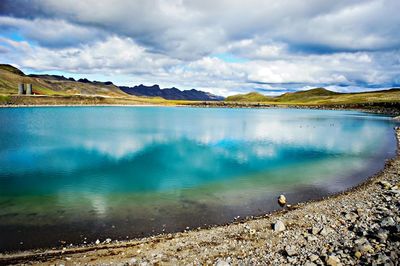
321,96
308,95
52,84
10,68
249,97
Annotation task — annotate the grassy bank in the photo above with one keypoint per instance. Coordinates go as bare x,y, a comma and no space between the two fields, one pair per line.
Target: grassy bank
71,100
319,96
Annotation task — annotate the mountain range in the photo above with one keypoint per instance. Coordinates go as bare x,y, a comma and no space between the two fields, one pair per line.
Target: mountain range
171,93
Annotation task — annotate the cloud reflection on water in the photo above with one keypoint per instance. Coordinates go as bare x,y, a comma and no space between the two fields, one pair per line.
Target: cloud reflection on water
264,130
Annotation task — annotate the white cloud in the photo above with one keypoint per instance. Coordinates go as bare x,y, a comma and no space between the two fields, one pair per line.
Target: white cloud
115,55
52,33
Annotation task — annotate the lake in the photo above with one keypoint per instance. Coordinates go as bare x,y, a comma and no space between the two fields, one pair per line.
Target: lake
77,174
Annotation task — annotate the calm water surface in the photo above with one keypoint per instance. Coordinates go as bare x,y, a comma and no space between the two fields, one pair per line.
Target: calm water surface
85,173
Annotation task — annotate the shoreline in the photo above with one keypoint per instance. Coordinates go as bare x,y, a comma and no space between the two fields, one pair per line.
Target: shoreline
84,105
333,230
16,101
303,107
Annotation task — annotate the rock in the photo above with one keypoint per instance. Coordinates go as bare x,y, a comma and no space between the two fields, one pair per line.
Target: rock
282,200
363,248
388,221
290,250
315,230
309,264
133,260
357,254
384,184
382,259
332,260
351,216
312,238
361,241
325,231
222,263
394,256
394,192
279,226
382,235
367,248
313,257
108,240
97,242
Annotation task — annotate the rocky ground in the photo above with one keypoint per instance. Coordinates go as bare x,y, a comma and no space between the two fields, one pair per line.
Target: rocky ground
360,226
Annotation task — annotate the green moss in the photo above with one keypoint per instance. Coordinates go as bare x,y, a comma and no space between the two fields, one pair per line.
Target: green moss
4,99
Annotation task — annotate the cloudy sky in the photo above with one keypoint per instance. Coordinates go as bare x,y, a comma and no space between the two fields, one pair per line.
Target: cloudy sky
221,46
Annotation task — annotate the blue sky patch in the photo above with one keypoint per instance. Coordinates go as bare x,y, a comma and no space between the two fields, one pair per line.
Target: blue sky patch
230,58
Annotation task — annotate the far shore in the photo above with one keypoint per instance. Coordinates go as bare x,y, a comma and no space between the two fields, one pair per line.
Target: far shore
358,226
84,105
13,101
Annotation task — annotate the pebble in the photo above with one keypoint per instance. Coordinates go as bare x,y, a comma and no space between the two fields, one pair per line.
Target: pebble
325,231
315,230
388,221
309,264
279,226
312,238
282,200
290,250
332,260
382,235
313,257
222,263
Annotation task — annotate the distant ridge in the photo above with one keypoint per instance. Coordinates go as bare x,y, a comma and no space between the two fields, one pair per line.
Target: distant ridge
50,77
170,93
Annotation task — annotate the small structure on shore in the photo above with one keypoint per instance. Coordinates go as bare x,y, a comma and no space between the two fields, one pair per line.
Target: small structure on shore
28,89
21,89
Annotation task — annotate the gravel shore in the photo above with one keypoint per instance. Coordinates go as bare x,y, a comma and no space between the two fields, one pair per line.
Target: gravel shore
359,226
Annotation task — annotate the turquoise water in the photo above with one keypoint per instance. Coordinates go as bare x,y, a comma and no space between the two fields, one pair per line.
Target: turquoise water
82,173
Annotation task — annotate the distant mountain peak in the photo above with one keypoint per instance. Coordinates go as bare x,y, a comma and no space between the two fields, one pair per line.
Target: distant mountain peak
171,93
